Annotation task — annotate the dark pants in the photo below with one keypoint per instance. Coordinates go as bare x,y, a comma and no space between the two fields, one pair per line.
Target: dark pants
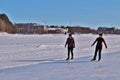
70,50
98,49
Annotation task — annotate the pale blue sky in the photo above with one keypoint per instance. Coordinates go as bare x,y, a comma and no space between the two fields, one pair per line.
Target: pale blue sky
90,13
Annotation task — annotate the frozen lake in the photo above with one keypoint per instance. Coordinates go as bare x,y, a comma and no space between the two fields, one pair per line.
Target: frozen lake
39,52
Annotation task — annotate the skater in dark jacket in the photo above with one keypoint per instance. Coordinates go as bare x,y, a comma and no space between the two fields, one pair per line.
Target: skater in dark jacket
71,44
99,41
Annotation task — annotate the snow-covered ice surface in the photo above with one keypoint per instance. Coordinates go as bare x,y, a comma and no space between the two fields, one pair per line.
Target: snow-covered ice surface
42,57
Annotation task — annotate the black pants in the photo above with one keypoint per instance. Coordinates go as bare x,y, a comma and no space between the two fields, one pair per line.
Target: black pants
98,49
70,50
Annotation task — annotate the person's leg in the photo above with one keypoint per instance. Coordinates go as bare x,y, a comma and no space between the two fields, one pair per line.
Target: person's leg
95,55
71,53
100,54
68,53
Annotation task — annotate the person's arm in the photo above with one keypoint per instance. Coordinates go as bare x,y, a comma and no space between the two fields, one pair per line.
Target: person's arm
66,42
73,43
104,43
94,42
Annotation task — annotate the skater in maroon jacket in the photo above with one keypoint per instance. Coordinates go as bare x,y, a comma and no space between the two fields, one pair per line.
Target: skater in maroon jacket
99,41
71,44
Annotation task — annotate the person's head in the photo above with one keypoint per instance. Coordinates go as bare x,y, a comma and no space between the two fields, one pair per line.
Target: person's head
100,34
70,35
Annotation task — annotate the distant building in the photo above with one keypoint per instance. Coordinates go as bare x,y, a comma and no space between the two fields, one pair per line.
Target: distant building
106,30
117,31
78,29
34,28
29,28
57,30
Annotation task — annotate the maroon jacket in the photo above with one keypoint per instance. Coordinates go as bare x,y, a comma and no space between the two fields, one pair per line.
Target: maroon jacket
70,42
99,41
